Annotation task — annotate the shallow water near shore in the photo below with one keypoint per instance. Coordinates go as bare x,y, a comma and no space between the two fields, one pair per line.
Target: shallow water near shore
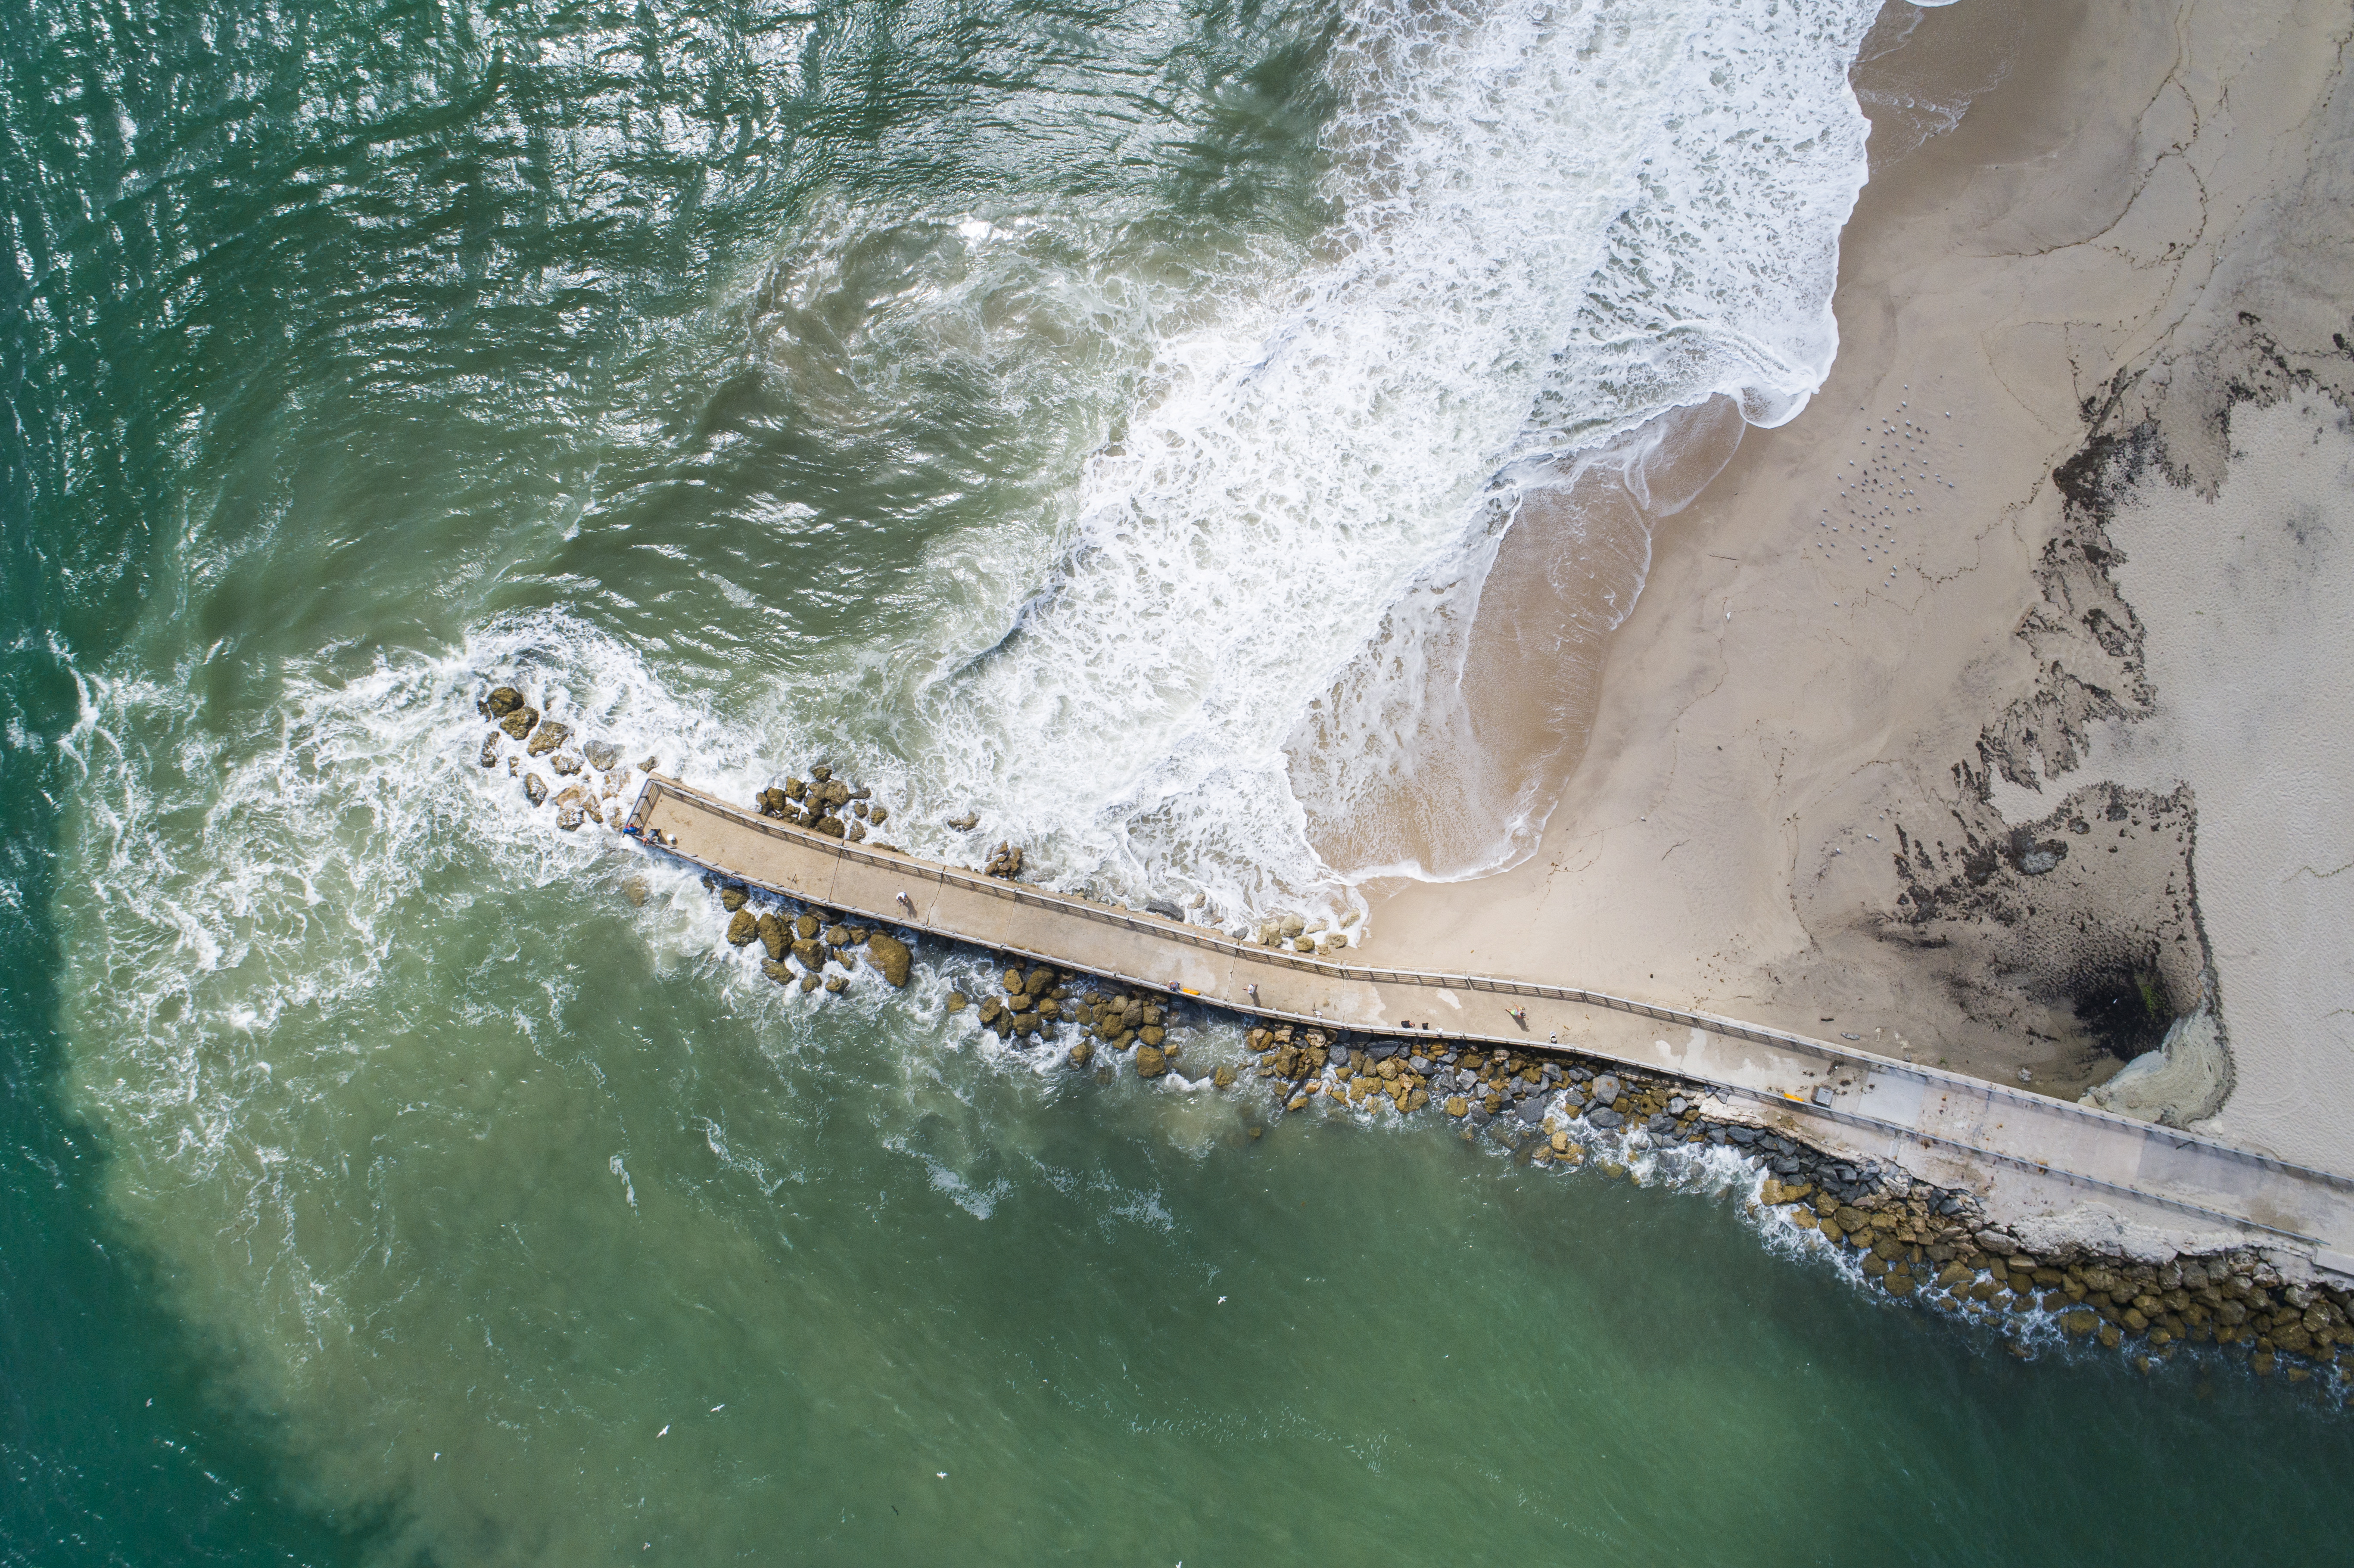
385,1185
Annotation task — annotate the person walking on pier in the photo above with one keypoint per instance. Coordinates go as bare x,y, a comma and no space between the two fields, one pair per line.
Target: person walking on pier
907,903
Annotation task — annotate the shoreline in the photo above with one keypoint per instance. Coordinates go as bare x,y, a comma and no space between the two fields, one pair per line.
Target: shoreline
1851,767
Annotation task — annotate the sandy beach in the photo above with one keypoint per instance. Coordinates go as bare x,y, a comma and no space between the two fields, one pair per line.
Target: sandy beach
1992,712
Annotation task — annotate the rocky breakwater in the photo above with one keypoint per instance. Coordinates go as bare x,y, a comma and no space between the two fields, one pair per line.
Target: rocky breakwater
807,947
825,804
526,740
1910,1239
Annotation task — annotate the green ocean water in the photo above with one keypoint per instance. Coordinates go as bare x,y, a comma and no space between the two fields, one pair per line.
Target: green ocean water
384,1186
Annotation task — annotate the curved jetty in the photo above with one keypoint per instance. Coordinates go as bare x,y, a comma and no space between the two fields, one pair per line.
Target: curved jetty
2032,1152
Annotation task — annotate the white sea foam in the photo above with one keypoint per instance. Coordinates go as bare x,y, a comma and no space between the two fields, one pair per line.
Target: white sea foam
1560,222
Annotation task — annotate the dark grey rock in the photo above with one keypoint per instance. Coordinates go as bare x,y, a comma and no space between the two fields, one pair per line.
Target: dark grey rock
1662,1122
1383,1052
1741,1135
1531,1111
1678,1105
1419,1064
1606,1120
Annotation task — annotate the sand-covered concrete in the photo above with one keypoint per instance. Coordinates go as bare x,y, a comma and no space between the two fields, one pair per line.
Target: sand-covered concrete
1950,722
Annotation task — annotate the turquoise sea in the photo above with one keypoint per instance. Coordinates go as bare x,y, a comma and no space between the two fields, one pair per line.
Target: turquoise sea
1088,415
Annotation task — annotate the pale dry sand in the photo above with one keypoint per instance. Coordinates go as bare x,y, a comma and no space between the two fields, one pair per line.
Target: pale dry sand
1948,777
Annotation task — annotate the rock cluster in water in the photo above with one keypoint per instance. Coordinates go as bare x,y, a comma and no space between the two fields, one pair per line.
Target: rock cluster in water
1005,862
1911,1239
518,721
805,947
825,804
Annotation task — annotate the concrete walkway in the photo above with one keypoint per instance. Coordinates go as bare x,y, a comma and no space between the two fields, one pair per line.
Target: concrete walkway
2024,1153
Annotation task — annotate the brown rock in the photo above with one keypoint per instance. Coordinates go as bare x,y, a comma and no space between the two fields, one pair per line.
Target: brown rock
534,788
837,984
781,974
742,930
550,736
811,954
503,701
806,926
809,983
1457,1105
519,723
1150,1062
1082,1053
772,937
990,1009
891,956
959,1001
732,897
1223,1077
490,749
829,826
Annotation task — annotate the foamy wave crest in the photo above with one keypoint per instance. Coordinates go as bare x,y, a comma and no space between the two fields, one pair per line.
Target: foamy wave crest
244,899
1563,224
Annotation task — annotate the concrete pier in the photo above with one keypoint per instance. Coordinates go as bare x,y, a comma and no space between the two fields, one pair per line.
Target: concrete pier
2025,1153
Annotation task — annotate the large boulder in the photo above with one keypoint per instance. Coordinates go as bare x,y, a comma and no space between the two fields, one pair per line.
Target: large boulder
809,953
891,956
733,897
534,788
772,937
550,736
601,754
805,925
830,826
519,723
1150,1062
503,701
742,930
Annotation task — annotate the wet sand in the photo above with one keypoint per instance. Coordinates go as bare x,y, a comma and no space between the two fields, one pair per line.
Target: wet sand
1851,768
